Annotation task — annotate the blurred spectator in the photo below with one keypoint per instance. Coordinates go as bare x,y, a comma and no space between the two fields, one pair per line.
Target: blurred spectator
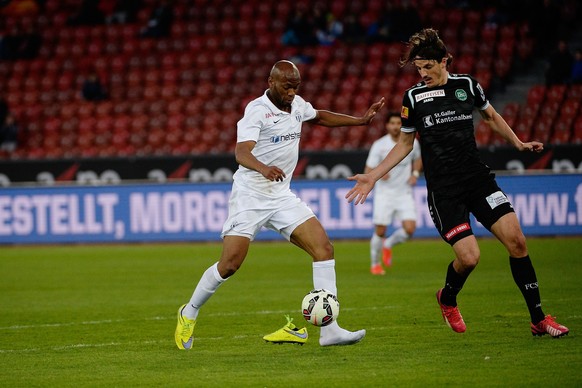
544,21
92,90
560,65
354,32
20,45
300,29
160,21
576,76
89,14
405,22
9,134
124,11
29,43
3,111
332,31
381,29
19,7
8,128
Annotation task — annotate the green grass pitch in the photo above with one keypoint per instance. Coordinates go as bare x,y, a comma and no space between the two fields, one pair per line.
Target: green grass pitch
104,316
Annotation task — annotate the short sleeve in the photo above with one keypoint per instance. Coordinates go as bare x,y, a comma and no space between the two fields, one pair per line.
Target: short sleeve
249,127
481,101
407,114
309,112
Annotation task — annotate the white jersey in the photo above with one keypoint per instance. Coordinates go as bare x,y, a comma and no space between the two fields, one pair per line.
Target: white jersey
397,181
277,134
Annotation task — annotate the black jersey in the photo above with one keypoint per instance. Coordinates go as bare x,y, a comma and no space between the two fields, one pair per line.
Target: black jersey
443,117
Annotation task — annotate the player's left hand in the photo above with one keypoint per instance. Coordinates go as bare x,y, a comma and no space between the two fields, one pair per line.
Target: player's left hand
372,110
359,193
532,146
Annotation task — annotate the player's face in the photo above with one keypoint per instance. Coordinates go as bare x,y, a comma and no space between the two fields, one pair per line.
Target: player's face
393,126
283,89
433,73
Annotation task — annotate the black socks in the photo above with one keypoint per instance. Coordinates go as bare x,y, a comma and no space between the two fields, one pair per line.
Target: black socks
453,285
525,277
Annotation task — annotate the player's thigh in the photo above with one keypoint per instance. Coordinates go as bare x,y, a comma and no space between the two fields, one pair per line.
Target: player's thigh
312,238
450,216
383,209
247,214
488,203
406,208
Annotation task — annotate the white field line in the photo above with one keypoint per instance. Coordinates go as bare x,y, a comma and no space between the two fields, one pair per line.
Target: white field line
106,321
165,341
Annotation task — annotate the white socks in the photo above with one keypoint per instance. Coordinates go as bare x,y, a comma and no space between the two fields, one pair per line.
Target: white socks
399,236
206,287
375,248
333,334
324,275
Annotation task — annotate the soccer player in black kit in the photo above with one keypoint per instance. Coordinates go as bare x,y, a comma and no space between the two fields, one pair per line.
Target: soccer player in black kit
440,110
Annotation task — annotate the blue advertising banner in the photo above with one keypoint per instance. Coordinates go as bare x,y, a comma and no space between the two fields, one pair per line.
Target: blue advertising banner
545,205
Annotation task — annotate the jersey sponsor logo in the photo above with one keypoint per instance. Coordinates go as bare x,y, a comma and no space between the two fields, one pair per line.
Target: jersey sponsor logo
290,136
430,94
404,112
428,121
449,116
461,94
456,230
481,92
271,114
496,199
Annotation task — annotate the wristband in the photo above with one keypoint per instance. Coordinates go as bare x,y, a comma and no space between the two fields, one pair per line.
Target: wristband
415,174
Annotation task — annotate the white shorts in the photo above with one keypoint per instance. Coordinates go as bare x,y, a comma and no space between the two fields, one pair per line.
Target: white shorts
249,211
388,207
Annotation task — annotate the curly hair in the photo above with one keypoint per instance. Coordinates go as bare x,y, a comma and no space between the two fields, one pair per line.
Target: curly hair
426,44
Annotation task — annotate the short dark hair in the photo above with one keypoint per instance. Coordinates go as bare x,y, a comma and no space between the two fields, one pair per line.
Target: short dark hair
392,114
426,44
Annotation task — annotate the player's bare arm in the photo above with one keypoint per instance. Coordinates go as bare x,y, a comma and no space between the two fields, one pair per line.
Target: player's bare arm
500,126
365,182
367,169
333,119
245,158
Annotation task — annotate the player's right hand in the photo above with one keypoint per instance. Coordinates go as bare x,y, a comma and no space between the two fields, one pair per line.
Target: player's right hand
273,173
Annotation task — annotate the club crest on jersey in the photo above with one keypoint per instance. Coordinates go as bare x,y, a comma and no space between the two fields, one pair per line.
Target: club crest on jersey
298,117
404,112
428,121
461,94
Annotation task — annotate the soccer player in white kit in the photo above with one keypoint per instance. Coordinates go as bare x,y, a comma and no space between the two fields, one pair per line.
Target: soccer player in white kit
267,150
393,198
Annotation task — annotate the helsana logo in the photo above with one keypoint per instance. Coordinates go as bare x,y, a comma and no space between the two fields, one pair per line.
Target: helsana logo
290,136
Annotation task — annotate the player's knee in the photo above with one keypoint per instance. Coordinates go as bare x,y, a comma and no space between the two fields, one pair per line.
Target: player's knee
517,246
409,229
323,252
227,268
470,259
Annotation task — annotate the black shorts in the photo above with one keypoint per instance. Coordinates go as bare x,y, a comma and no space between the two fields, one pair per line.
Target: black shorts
450,209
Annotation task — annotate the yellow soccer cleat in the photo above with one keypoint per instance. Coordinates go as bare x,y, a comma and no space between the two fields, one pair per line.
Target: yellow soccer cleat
184,330
288,334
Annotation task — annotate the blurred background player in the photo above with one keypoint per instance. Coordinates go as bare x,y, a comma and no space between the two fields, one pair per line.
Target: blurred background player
393,198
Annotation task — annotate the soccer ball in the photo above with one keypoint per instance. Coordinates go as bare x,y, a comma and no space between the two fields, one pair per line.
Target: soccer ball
320,307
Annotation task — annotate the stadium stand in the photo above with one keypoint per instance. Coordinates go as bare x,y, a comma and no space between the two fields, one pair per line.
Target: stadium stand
183,93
